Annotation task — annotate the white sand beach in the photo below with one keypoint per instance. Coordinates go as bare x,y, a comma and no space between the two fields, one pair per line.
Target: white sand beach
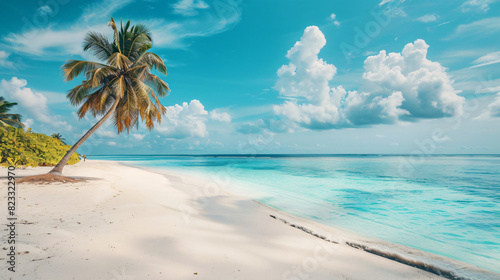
129,223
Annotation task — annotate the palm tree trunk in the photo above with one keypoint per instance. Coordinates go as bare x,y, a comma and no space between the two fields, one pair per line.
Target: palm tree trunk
57,170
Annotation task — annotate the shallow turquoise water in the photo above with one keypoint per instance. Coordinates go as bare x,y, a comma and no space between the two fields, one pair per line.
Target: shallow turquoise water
448,205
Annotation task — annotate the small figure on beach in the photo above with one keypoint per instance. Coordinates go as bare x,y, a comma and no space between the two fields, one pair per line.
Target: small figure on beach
84,158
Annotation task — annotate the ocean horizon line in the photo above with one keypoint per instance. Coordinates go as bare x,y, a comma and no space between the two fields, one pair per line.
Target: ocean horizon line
293,155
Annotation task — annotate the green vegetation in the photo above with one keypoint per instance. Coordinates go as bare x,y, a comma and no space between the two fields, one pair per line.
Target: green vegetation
122,84
18,147
58,136
7,119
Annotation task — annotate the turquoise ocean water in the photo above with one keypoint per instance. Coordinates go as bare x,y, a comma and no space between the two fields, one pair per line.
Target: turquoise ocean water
447,205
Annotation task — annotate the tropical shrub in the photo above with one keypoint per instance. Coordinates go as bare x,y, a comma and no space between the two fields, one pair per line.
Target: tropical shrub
18,147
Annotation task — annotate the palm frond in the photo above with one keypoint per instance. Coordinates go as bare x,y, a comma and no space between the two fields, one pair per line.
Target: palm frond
124,82
152,95
102,74
142,29
8,119
93,103
11,120
77,94
120,87
98,44
144,48
119,61
112,24
13,123
153,61
16,117
161,87
150,111
73,68
130,113
5,106
139,72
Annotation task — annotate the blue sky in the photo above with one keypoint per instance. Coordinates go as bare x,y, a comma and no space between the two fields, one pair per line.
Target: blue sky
387,76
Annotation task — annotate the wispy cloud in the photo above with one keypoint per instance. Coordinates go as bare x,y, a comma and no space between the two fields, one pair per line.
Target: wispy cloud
481,27
491,58
4,60
60,40
489,90
50,41
428,18
383,2
99,11
477,5
493,109
44,10
393,8
189,7
444,23
333,18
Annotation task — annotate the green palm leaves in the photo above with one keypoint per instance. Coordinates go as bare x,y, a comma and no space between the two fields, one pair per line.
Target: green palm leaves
125,74
7,119
58,136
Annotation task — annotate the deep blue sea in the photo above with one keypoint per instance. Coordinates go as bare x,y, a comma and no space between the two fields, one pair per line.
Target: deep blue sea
448,205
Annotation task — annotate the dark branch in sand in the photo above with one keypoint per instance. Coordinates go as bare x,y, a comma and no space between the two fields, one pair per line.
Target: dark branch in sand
48,179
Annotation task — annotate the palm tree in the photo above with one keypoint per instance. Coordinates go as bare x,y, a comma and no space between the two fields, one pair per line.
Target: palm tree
7,119
58,136
123,86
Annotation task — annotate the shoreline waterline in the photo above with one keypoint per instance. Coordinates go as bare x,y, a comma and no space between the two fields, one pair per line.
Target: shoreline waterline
440,265
131,220
448,206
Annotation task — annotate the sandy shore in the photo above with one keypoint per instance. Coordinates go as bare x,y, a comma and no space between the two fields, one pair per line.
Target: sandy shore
130,223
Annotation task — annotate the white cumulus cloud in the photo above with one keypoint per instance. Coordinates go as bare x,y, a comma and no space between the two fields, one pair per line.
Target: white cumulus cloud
493,109
139,137
220,116
34,104
28,123
181,121
306,75
426,87
397,86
